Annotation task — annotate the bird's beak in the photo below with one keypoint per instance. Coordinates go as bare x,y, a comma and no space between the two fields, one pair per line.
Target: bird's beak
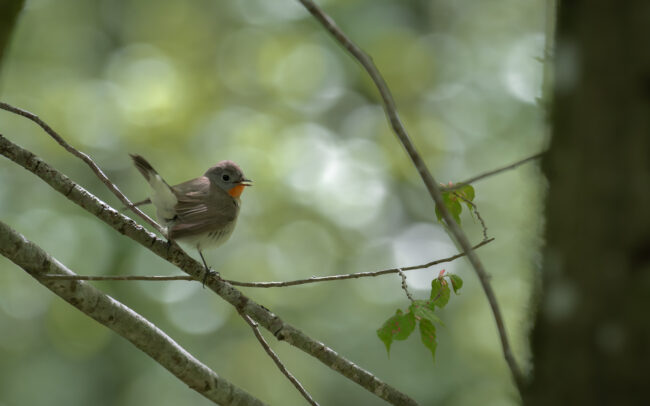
246,182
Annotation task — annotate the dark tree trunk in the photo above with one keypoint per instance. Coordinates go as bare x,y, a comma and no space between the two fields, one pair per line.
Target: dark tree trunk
9,10
591,339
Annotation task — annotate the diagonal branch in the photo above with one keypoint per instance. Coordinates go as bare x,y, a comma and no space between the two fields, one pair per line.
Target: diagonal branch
432,186
175,255
492,172
121,319
84,157
314,279
256,330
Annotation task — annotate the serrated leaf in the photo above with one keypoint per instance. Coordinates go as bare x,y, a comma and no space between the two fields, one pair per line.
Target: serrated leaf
428,336
456,282
397,327
423,310
440,292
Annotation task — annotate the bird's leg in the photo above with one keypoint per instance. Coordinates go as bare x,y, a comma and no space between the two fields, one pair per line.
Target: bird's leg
208,271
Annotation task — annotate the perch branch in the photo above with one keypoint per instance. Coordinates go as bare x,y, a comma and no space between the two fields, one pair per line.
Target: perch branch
122,320
432,186
175,255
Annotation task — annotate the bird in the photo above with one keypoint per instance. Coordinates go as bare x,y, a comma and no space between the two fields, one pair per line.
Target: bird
202,211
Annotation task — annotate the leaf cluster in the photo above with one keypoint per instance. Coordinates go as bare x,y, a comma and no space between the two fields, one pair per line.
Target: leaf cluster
453,199
421,312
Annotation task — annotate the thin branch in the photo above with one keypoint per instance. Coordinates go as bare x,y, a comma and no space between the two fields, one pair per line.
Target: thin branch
84,157
122,320
405,287
432,186
176,256
492,172
313,279
474,208
276,359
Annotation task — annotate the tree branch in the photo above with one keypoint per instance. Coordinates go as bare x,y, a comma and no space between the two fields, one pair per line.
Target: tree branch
313,279
256,330
175,255
430,183
492,172
84,157
122,320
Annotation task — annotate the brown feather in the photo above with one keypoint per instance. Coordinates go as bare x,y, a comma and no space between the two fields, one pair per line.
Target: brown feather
201,208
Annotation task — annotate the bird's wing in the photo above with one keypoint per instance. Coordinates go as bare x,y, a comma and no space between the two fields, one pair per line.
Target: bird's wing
201,208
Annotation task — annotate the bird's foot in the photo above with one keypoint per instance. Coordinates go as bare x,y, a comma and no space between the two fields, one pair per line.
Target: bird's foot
210,273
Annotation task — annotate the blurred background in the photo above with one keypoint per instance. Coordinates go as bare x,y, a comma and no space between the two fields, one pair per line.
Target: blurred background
187,84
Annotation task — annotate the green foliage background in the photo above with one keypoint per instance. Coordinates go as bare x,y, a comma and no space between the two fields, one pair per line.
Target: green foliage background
187,84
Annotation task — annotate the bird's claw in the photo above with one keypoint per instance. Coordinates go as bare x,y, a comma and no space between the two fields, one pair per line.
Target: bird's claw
211,273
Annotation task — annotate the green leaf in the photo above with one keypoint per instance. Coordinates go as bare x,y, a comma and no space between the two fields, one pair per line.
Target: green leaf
452,204
440,292
398,327
467,192
423,310
456,282
428,336
455,209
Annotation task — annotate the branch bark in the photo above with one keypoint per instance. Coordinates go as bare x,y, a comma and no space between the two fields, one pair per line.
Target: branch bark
122,320
172,253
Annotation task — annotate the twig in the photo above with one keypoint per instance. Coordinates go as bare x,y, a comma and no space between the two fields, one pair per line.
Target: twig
425,174
276,359
405,286
313,279
176,256
492,172
122,320
475,210
84,157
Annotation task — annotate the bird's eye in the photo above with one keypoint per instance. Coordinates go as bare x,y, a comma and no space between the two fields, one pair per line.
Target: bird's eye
225,177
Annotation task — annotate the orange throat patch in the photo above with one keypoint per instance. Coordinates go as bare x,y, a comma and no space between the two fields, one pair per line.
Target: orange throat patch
236,191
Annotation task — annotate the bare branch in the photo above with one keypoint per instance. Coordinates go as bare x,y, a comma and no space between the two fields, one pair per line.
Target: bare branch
84,157
175,255
432,186
492,172
313,279
122,320
276,359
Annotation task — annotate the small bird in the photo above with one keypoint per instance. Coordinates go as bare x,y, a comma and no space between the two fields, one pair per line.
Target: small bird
202,211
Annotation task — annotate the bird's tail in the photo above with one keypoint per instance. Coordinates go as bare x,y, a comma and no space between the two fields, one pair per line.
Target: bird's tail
144,167
162,195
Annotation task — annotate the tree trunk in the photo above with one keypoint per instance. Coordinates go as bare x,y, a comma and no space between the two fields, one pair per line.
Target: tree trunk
591,339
